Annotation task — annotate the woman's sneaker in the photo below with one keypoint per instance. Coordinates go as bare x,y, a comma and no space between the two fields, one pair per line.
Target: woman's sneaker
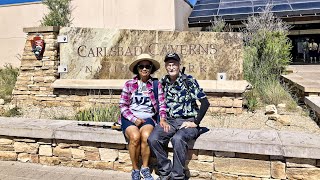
135,175
145,173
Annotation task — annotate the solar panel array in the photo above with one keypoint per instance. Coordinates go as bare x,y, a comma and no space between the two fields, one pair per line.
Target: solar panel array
205,10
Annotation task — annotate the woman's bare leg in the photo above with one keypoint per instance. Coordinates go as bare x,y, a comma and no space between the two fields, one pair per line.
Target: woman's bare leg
133,134
145,131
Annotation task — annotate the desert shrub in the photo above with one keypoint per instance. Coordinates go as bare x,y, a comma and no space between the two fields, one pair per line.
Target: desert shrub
266,54
13,112
252,100
8,78
59,13
219,25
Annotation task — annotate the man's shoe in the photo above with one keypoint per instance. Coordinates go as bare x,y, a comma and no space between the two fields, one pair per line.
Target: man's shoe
135,175
145,173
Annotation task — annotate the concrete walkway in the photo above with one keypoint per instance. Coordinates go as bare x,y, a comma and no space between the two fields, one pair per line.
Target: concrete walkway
306,78
12,170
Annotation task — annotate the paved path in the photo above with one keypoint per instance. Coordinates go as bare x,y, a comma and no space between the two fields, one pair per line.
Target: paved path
307,78
303,68
11,170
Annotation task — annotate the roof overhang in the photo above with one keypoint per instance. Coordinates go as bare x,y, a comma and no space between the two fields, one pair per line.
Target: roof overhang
231,11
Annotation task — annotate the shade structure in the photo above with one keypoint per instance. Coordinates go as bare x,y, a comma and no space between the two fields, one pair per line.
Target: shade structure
204,11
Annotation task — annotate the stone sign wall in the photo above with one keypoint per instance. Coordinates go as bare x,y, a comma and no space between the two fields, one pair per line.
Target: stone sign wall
107,53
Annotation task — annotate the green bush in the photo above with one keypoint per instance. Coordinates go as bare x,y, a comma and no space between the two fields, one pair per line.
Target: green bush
266,54
59,13
8,78
109,113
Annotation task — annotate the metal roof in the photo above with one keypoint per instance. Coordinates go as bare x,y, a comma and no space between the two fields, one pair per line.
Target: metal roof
204,11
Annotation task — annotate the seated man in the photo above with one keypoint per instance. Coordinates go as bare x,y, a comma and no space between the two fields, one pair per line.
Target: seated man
183,117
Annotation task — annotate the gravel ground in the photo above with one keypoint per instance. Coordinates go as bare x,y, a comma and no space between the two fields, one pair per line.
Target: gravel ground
297,121
37,112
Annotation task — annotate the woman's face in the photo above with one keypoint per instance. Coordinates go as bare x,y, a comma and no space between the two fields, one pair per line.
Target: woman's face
144,68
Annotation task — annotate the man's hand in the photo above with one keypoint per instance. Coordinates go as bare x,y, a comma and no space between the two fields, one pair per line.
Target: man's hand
139,122
188,124
163,123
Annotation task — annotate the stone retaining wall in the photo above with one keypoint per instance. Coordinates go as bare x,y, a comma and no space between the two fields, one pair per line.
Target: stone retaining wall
201,164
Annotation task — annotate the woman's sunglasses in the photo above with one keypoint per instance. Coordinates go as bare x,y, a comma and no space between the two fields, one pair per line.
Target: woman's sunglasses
141,66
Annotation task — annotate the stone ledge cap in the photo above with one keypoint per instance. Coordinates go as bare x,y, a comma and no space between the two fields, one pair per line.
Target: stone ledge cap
214,86
41,29
265,142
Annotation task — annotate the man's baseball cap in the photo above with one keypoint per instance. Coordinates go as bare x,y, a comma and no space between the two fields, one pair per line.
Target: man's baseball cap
173,56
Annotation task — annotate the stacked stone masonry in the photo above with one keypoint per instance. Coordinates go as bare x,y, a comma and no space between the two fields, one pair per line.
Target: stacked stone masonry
222,104
33,86
35,76
201,164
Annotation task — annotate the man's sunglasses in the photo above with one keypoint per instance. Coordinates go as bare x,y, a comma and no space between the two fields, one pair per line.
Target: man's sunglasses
141,66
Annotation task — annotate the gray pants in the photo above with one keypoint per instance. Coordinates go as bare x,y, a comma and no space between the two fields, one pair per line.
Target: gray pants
158,142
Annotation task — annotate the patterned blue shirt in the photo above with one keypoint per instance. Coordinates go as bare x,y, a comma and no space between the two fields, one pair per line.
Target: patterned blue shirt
181,100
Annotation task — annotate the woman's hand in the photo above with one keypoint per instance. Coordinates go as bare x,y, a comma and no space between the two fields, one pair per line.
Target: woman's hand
163,123
139,122
188,124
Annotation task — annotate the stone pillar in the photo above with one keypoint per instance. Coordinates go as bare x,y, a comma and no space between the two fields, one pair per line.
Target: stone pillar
34,81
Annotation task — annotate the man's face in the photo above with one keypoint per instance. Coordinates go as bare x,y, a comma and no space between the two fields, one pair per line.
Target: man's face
172,67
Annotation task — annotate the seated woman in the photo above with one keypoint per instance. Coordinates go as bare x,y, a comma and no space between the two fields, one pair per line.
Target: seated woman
138,105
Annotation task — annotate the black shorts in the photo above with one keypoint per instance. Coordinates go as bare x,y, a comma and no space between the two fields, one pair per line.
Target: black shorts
313,53
125,123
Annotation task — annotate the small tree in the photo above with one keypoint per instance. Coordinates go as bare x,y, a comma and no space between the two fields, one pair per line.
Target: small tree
266,54
59,13
267,47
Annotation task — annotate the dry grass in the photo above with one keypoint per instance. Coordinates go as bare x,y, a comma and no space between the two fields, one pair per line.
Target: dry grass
107,113
8,78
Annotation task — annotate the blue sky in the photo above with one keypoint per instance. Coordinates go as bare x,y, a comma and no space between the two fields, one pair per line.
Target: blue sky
23,1
193,1
16,1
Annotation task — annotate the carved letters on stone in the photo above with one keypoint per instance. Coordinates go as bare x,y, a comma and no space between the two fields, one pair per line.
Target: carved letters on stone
107,53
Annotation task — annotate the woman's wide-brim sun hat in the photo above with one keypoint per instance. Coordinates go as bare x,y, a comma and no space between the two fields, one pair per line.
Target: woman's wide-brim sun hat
142,57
